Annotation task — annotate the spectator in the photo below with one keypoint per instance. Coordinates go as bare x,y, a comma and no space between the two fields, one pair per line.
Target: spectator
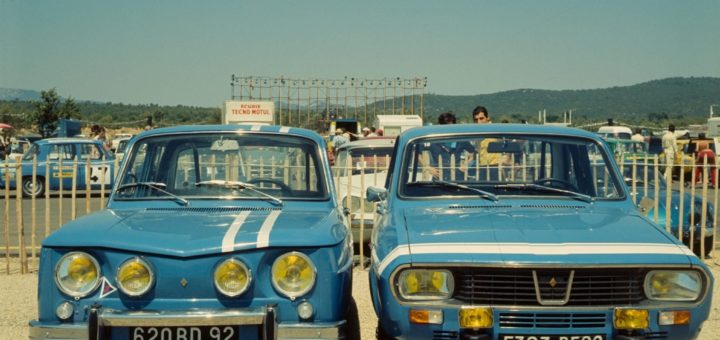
669,144
638,137
373,132
366,132
379,132
339,138
704,151
447,158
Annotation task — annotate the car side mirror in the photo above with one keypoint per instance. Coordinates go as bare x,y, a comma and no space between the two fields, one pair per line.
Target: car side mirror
374,194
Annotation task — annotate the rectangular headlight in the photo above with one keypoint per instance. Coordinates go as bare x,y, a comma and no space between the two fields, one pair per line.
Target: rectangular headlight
673,285
425,284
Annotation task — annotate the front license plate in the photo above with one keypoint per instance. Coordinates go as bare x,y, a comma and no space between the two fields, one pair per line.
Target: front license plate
552,337
185,333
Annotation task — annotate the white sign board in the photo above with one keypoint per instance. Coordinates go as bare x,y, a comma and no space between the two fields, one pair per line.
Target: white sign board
243,112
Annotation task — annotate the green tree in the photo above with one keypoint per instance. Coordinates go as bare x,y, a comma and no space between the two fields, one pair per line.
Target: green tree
46,114
69,109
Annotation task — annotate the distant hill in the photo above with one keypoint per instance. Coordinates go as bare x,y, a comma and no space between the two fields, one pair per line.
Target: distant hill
688,98
655,103
17,94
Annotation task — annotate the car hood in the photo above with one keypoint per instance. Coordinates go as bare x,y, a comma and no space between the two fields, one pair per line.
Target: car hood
187,232
542,234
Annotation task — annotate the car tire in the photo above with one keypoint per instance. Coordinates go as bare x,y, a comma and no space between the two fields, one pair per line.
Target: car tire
352,331
708,246
29,191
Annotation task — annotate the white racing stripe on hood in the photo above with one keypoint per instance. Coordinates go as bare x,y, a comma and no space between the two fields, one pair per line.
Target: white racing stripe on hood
228,242
263,239
532,249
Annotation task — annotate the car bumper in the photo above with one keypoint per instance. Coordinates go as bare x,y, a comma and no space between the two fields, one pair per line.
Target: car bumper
519,324
103,322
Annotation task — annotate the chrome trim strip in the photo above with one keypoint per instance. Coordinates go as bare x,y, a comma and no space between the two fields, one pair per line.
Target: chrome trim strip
228,242
60,331
200,317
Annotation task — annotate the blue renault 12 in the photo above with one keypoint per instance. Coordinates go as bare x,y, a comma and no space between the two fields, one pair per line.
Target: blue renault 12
520,232
211,232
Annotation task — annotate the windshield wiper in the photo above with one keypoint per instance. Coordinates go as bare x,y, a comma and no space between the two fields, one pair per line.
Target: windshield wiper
538,187
238,185
155,186
482,193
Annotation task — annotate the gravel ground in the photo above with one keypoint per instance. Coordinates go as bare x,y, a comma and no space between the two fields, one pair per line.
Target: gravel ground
20,304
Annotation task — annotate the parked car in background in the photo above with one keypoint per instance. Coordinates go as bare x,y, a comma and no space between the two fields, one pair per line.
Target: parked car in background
117,138
120,146
361,164
197,243
691,207
628,150
620,132
546,250
53,152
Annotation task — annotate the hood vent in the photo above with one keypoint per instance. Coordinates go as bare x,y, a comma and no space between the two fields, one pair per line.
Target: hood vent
551,206
480,206
216,210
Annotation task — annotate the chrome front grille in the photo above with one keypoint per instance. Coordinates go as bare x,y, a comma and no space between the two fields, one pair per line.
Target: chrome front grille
535,287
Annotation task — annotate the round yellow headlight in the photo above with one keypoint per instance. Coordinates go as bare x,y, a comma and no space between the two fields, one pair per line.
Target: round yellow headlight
135,277
293,274
77,274
232,277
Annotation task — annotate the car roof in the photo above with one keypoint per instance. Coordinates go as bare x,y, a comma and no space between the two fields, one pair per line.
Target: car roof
60,140
234,128
452,129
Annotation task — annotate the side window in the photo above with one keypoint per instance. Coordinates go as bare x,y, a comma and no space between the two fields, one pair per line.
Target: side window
66,152
90,151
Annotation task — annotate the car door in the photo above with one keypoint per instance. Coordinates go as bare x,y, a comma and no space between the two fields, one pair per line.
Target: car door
100,166
60,158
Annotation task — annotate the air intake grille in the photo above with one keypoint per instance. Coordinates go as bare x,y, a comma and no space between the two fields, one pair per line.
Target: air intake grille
516,286
554,320
216,210
551,206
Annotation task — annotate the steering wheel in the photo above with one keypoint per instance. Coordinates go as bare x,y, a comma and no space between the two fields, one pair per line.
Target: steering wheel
284,188
562,183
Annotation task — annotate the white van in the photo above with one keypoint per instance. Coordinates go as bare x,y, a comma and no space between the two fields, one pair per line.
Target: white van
394,125
621,132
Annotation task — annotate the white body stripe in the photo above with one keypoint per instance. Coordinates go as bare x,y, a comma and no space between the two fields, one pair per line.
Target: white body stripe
285,129
228,242
532,249
263,239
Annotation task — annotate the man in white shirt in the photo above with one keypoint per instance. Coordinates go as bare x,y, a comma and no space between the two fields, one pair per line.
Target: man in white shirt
637,137
669,144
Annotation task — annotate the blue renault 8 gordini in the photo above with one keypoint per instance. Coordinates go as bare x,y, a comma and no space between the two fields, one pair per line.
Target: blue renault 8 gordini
520,232
211,232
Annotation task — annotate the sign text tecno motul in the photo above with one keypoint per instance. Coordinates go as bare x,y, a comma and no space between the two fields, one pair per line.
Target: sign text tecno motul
241,112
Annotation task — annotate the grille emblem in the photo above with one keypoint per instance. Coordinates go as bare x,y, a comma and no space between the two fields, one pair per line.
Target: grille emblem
183,282
549,296
553,282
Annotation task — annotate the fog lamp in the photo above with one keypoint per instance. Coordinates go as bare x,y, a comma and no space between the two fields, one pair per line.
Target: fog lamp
631,318
476,317
64,310
675,317
426,316
305,310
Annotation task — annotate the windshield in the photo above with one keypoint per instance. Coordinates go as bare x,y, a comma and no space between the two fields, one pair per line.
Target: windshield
509,165
367,160
211,165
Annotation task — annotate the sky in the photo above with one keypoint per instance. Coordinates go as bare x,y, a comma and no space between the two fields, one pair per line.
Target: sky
184,52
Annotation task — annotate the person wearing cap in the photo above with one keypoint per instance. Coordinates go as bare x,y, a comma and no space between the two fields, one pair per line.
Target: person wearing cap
365,132
339,138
